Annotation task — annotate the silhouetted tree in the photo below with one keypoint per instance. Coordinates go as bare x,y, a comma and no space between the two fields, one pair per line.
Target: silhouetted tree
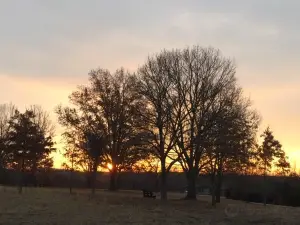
77,157
110,106
6,112
41,119
156,85
293,170
283,165
96,144
270,150
188,92
232,139
29,144
204,81
75,152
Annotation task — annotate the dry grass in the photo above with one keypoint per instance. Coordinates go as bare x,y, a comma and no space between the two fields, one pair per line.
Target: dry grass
56,206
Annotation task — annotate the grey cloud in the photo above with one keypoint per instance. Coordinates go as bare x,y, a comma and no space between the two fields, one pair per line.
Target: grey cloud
67,38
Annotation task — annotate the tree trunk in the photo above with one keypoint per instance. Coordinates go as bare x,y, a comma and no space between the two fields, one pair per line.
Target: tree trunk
157,178
219,183
89,179
3,177
113,176
191,189
21,177
163,175
71,175
71,181
94,176
265,188
163,181
218,188
213,190
34,172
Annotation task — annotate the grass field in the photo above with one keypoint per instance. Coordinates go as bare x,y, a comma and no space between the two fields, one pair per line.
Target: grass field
57,206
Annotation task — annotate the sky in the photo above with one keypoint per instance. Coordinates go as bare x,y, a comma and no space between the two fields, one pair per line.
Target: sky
47,48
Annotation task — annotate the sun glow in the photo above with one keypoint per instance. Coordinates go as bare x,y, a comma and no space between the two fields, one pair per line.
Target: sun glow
109,166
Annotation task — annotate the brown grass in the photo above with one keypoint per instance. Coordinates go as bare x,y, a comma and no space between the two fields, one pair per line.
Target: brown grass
57,206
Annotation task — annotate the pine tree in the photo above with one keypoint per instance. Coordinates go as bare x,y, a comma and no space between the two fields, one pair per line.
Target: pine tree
270,150
29,145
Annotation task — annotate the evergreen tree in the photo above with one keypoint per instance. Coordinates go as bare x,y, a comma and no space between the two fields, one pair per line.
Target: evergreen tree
268,152
29,145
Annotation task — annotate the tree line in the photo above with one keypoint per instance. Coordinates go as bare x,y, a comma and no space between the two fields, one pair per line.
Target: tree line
182,107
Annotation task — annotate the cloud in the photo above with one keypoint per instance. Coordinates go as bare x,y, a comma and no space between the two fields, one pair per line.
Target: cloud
68,38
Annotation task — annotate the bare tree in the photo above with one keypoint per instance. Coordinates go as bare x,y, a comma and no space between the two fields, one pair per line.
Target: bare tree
75,153
42,119
203,82
110,106
232,139
77,157
7,111
157,86
187,92
83,150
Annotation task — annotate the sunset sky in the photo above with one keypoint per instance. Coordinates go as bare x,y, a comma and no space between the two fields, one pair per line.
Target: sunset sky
48,47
